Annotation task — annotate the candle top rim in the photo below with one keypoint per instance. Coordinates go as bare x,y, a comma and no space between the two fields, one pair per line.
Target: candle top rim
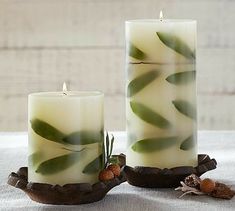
78,94
161,21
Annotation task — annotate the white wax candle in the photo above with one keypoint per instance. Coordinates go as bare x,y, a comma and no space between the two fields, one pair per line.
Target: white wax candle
65,137
161,93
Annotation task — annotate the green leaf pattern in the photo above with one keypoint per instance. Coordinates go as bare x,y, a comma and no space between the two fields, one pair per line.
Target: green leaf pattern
83,138
141,82
136,52
185,108
154,144
58,164
188,143
46,130
176,44
151,116
182,78
94,166
35,158
63,162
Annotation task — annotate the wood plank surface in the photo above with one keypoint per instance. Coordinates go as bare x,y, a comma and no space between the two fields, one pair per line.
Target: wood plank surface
46,42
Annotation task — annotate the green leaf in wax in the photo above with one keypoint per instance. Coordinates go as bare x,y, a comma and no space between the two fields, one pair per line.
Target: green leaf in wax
182,77
46,130
154,144
140,82
58,164
108,148
104,157
84,137
148,115
188,143
107,141
176,44
185,108
111,146
34,159
94,166
136,52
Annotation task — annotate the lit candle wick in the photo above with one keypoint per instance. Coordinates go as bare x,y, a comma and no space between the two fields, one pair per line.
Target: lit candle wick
161,15
64,89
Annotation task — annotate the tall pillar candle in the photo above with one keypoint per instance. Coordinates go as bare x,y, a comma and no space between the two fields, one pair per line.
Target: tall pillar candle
161,93
65,137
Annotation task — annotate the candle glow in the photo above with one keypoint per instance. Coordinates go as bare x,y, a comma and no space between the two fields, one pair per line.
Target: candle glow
65,88
161,15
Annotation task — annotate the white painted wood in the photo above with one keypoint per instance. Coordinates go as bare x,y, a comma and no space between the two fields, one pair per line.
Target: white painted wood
13,115
71,23
216,68
216,112
46,42
25,71
29,70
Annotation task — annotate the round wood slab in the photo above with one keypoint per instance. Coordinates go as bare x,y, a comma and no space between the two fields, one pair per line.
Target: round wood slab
69,194
149,177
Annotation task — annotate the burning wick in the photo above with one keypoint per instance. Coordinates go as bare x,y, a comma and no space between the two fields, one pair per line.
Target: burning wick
64,89
161,15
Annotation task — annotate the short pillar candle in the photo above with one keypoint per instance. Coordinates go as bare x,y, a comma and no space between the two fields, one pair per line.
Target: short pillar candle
65,137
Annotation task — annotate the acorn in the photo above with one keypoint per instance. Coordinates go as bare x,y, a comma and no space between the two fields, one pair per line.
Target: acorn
207,185
105,175
115,168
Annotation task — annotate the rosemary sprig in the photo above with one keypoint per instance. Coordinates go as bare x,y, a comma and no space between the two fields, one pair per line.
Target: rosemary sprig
108,149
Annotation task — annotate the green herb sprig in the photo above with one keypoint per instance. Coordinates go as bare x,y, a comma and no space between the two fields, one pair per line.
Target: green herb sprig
109,158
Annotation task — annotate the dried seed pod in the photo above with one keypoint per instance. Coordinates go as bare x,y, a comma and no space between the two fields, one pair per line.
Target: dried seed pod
192,181
105,175
115,168
222,191
207,185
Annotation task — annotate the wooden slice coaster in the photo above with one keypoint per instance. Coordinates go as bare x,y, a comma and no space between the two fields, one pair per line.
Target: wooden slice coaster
69,194
149,177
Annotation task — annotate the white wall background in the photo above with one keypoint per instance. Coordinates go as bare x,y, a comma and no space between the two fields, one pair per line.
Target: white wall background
46,42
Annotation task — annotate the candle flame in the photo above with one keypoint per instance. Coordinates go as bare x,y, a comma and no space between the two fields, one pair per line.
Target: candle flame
161,15
64,88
